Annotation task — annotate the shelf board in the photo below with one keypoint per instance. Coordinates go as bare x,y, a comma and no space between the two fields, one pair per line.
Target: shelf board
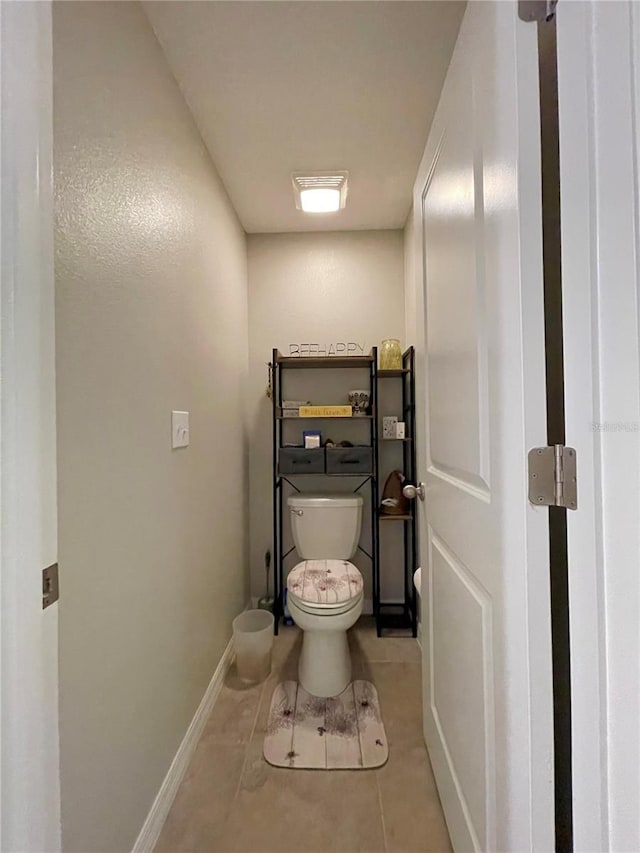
393,374
323,362
395,439
386,517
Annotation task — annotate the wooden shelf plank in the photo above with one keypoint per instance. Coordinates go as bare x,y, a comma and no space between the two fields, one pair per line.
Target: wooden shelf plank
324,362
386,517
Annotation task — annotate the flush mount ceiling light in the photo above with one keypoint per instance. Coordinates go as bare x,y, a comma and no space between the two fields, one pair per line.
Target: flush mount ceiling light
320,192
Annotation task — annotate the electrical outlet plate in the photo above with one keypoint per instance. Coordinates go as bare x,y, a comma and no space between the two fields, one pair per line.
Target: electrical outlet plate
389,426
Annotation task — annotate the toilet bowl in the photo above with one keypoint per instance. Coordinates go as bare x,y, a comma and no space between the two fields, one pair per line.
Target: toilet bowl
325,590
325,600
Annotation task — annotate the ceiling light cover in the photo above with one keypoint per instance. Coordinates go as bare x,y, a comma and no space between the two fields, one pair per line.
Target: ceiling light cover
320,200
320,192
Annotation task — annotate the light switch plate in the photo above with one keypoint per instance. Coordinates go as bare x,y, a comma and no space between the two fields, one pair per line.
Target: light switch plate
179,429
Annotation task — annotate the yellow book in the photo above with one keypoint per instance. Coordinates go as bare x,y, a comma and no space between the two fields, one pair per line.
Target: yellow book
326,411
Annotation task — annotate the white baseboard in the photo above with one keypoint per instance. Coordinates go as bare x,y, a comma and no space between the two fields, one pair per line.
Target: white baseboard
152,826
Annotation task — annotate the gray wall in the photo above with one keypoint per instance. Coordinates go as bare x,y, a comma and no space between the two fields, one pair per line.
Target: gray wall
151,316
323,288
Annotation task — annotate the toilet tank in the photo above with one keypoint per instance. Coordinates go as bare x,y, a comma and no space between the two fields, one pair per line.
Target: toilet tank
326,527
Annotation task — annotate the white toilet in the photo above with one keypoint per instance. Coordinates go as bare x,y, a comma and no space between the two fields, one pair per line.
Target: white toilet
325,590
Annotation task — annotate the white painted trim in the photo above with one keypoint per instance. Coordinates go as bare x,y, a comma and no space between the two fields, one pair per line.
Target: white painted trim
599,76
581,376
157,816
29,770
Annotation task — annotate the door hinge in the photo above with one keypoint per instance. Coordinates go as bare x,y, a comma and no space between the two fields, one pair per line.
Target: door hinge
553,477
536,10
50,585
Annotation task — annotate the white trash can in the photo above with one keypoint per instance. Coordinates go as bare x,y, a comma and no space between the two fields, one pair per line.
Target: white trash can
253,643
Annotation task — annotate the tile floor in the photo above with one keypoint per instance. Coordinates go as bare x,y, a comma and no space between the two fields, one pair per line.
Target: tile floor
231,800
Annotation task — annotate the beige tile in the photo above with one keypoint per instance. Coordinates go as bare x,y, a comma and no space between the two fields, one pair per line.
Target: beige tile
300,810
284,670
366,645
411,809
197,817
303,810
399,687
286,652
234,713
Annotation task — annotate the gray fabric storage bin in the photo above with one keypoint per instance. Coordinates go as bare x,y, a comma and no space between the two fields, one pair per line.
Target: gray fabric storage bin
301,460
349,460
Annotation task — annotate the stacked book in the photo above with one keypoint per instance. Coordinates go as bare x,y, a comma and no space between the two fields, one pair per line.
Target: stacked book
291,408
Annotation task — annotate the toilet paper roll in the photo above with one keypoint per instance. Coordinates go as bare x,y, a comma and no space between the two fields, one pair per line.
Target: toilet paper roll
417,578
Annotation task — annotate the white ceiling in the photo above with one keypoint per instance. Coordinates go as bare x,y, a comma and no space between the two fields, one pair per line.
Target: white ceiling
281,87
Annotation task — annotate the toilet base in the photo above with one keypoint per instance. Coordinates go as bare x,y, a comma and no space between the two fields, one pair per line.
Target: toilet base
324,668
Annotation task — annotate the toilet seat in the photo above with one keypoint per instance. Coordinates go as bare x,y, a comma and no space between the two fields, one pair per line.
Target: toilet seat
325,586
326,609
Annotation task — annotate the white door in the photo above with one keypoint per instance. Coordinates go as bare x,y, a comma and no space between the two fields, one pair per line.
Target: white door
486,607
30,819
599,107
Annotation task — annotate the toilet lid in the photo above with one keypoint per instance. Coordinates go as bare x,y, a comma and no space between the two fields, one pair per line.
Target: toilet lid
325,582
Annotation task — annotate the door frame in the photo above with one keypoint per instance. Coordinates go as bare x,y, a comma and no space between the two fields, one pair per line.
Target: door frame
599,82
29,770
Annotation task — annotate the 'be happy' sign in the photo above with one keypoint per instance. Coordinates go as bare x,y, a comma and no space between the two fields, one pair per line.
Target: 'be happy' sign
326,350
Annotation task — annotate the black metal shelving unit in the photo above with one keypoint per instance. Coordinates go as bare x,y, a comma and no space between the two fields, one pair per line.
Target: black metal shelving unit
279,365
404,615
388,615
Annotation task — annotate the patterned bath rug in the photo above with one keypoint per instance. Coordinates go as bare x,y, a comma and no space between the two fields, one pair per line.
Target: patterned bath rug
344,732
